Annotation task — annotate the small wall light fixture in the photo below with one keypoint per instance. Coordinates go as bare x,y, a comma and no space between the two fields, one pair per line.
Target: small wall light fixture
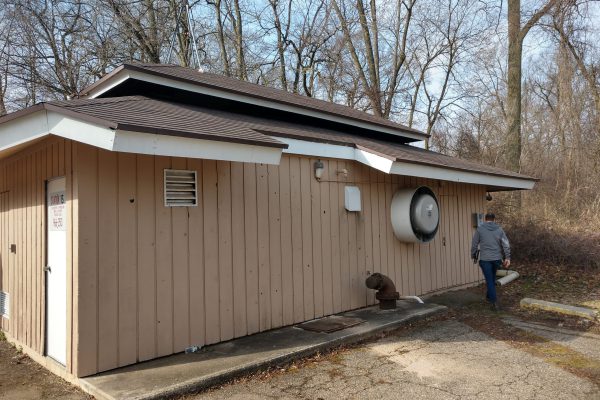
319,169
488,196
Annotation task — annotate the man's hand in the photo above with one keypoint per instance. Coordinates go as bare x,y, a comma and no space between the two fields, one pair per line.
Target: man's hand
506,263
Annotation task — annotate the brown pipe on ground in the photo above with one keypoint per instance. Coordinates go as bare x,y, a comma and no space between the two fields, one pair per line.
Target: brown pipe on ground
386,290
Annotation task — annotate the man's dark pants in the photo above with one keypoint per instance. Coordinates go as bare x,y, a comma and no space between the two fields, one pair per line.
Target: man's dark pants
489,269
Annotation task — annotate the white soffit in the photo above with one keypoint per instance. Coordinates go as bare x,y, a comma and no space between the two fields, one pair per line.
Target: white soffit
34,126
123,75
388,166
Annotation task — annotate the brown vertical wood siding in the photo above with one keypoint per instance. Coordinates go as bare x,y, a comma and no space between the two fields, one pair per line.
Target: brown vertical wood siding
22,222
267,246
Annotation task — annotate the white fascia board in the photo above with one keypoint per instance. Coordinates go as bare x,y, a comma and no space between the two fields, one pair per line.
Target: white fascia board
196,88
174,146
42,123
373,160
22,130
326,150
79,131
104,87
445,174
314,149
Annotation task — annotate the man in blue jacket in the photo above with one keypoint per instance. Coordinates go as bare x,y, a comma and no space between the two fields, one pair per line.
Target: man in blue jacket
494,251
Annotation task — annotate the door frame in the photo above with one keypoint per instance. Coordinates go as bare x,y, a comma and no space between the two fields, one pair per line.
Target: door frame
45,280
6,234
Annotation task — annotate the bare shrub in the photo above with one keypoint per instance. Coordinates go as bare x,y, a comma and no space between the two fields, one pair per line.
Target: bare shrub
541,232
532,241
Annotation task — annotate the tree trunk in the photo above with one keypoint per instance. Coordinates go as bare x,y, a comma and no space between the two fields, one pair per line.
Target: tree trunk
399,52
184,38
153,30
374,87
515,50
221,37
372,92
239,42
516,35
280,45
2,105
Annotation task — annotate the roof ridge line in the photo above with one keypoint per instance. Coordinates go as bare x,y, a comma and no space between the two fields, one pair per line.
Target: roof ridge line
113,100
68,112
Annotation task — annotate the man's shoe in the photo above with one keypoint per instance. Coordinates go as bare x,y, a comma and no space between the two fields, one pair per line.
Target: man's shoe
495,307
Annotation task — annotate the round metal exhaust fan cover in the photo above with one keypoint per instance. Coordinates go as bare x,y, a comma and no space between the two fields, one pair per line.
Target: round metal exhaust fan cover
415,215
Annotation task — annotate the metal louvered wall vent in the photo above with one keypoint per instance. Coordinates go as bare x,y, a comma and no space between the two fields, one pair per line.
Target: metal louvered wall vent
4,304
181,189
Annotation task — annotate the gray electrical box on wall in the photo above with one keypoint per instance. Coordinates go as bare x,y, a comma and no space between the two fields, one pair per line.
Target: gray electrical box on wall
477,219
352,198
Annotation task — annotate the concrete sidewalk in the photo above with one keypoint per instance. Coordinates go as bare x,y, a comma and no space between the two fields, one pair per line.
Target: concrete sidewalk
585,343
185,373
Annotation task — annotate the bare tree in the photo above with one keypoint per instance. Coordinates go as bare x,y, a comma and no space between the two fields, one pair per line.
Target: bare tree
581,50
365,52
516,36
308,39
282,38
230,37
234,14
446,35
4,59
217,5
51,52
139,22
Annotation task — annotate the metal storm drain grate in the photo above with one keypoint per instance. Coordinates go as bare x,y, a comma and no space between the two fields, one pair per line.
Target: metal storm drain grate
330,324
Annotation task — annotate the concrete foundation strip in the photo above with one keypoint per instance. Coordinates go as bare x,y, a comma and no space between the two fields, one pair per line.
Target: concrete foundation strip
533,326
207,381
582,312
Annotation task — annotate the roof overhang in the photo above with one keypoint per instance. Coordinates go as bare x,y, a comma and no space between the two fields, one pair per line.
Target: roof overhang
125,72
492,182
25,127
391,166
41,122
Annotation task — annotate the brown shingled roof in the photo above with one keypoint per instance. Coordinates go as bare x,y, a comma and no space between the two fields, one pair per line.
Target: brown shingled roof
142,114
232,85
392,151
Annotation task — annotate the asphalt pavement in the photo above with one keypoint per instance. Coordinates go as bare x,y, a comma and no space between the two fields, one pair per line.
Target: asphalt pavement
446,360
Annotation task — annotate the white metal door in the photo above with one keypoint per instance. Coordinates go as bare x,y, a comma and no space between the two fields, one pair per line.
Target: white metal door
56,270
